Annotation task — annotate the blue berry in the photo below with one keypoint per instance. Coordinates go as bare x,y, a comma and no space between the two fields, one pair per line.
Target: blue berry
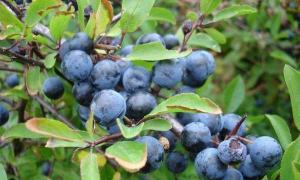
135,79
184,118
212,121
84,113
113,129
208,164
233,174
12,80
197,67
105,75
171,41
123,66
167,73
125,51
176,162
77,65
107,106
53,88
46,168
140,104
80,41
4,115
265,152
152,37
248,169
195,136
83,92
155,153
232,151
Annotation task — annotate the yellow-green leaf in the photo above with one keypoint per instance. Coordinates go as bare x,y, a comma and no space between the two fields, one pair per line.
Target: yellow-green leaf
131,155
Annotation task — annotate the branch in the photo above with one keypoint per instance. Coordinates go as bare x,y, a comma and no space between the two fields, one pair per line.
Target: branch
106,138
43,30
21,59
177,128
187,36
53,111
10,69
116,18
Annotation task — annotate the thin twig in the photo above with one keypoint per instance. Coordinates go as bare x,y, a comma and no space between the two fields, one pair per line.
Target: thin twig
21,59
186,38
107,138
105,47
53,111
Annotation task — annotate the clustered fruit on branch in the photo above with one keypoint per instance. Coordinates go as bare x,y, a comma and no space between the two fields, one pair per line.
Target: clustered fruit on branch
112,89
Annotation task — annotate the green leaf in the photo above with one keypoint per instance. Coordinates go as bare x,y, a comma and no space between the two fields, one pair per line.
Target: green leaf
89,125
15,94
39,9
291,154
98,21
58,26
234,94
50,60
130,132
204,40
135,12
9,19
79,154
216,35
157,125
131,155
284,57
292,80
208,6
53,128
153,52
82,4
282,130
33,81
234,10
56,143
162,14
185,102
20,131
89,168
2,170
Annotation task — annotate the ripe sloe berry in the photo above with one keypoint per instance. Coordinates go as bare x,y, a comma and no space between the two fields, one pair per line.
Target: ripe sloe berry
208,164
176,162
53,88
105,75
195,136
107,106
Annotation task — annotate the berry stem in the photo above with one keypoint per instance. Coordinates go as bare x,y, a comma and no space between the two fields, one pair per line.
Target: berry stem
237,127
10,69
245,140
187,36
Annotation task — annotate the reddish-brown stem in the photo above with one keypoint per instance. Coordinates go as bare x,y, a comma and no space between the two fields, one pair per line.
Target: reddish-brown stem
237,127
107,138
187,36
